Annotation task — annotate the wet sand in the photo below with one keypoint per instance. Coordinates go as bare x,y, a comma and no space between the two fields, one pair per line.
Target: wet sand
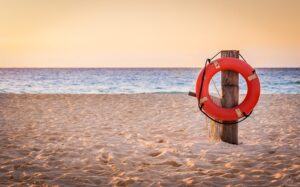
143,140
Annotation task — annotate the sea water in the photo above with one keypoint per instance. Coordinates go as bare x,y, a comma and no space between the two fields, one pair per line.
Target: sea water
133,80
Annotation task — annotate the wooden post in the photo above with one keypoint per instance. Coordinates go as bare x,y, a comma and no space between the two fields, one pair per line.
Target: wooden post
230,98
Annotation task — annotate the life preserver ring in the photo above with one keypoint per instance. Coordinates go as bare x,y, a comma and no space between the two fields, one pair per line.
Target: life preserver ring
237,112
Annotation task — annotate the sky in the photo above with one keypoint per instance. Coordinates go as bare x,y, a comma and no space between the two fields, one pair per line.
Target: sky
147,33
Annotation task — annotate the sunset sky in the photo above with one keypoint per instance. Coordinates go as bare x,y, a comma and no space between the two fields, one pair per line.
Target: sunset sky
140,33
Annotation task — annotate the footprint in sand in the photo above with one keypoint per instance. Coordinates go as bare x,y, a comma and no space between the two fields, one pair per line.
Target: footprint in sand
104,156
155,153
122,181
171,163
160,141
247,164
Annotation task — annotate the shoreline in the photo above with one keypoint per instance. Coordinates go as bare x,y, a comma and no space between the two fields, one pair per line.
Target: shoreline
152,93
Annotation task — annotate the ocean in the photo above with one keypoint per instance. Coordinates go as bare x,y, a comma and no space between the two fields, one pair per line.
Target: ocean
133,80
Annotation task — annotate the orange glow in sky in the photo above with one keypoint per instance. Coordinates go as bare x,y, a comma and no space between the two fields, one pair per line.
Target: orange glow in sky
145,33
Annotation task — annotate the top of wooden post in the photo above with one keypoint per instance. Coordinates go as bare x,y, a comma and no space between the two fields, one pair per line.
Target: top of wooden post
230,53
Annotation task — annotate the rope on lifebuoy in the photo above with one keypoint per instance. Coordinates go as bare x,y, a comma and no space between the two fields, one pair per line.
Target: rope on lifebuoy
201,101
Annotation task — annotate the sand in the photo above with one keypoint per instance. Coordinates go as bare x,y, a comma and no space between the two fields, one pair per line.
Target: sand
143,140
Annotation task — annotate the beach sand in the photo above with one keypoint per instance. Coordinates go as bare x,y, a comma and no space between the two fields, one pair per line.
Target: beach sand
143,140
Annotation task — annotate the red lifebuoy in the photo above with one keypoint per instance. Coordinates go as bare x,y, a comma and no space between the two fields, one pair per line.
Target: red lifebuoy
228,114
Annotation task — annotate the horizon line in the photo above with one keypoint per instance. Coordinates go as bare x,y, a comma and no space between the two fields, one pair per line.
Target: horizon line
154,67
